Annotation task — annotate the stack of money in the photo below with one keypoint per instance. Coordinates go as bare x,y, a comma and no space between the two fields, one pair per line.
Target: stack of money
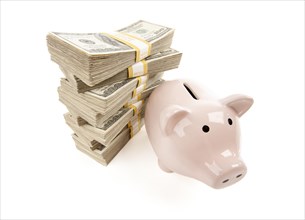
108,79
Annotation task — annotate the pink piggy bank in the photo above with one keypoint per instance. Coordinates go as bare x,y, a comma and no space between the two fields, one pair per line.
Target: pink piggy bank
195,135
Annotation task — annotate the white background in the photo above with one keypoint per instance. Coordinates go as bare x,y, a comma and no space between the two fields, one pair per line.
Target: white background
255,48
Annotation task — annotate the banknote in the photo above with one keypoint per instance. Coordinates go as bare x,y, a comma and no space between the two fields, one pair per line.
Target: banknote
95,57
98,43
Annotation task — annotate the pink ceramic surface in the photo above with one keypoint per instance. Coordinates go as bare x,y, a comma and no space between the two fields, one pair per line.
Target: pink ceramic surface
195,135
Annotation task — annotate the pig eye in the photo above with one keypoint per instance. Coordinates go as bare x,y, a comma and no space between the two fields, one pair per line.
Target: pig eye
230,121
205,129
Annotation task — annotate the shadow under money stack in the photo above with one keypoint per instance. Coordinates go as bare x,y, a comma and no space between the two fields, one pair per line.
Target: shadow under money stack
108,78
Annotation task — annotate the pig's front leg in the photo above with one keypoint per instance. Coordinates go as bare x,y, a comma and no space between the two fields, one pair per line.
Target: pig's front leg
163,167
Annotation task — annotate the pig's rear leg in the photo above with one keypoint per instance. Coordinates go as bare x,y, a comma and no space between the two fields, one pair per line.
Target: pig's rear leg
163,167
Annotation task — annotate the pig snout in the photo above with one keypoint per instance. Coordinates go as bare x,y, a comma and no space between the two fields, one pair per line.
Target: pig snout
227,173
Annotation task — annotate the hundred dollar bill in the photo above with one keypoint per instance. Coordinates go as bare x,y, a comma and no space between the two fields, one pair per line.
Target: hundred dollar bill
91,109
86,141
134,126
98,151
110,129
104,99
105,155
94,57
162,61
146,93
99,104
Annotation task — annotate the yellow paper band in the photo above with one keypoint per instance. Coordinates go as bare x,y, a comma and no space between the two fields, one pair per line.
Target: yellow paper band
129,124
142,47
137,106
139,122
133,100
127,43
145,66
130,72
142,80
140,39
131,132
138,69
139,90
135,110
139,81
134,126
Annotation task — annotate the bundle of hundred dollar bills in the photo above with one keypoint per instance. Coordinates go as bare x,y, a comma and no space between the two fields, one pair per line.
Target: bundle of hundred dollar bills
108,79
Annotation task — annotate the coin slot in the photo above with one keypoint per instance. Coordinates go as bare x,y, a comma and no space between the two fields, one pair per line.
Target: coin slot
190,92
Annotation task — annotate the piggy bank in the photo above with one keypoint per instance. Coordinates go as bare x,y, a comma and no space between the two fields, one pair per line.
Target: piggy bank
195,135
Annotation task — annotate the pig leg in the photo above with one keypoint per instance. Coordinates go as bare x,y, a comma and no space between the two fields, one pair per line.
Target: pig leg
164,168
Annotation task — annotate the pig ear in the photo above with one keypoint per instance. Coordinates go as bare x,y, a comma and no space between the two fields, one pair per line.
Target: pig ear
171,116
239,103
